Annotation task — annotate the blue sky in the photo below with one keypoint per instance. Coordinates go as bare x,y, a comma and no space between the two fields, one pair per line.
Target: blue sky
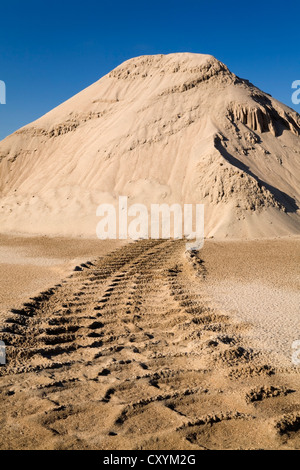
51,50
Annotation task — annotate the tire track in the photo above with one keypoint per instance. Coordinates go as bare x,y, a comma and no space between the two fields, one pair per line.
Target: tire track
128,353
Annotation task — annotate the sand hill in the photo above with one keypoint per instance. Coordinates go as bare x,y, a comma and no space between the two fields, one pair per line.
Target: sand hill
167,128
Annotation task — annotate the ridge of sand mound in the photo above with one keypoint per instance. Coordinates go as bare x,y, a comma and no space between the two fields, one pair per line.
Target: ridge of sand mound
177,128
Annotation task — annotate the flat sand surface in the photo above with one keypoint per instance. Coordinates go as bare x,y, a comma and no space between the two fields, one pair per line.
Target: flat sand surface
146,347
32,264
259,282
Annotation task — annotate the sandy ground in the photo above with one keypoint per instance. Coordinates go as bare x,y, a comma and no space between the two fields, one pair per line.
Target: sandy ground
259,283
32,264
142,349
